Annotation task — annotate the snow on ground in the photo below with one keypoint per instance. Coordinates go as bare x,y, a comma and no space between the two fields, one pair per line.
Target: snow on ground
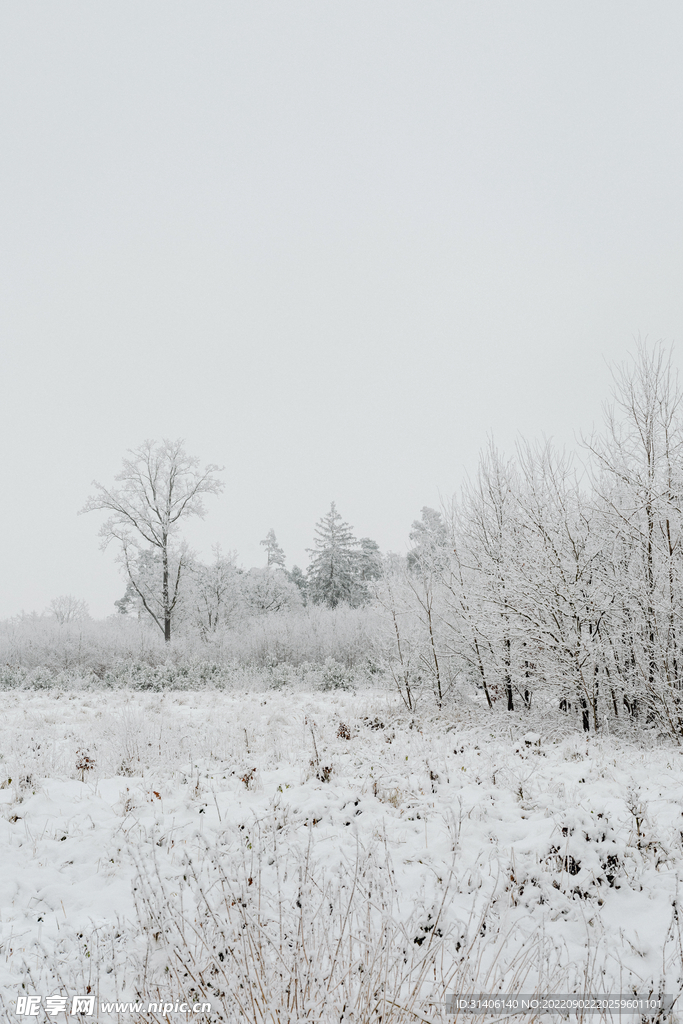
539,855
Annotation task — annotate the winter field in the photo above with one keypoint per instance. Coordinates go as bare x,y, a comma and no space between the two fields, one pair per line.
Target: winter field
287,854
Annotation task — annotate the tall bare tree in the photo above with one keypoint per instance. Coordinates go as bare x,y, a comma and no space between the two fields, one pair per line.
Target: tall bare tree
159,485
638,482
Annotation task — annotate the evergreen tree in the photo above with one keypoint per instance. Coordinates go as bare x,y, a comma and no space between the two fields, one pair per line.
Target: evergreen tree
276,556
298,578
333,575
370,560
126,603
430,539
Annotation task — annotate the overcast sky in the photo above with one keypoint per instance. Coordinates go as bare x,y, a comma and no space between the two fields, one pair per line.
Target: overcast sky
331,245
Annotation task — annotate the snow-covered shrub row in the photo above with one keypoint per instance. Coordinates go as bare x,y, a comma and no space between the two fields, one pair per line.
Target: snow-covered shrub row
310,635
291,849
202,675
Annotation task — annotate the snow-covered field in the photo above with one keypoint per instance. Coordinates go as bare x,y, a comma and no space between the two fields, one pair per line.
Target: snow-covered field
326,856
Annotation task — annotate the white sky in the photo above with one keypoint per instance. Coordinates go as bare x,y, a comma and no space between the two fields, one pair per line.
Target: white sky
332,245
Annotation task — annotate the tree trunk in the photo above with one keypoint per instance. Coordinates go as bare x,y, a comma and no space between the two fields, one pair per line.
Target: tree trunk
164,590
439,694
508,677
650,578
482,673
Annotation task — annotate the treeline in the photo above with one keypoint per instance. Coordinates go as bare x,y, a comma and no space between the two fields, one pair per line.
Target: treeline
159,486
218,596
549,581
554,580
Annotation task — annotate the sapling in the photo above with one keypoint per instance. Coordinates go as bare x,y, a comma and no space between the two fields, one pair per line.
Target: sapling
84,763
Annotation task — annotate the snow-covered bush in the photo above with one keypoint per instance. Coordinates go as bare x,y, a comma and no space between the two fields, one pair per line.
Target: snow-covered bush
288,637
335,676
267,932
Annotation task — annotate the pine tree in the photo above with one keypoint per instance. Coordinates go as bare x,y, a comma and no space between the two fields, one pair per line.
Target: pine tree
299,580
334,571
276,556
370,560
430,538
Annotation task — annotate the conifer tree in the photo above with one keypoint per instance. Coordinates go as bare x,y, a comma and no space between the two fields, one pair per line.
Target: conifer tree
333,574
276,556
370,560
298,578
430,538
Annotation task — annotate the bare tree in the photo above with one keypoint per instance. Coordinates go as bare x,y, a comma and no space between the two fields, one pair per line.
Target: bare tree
160,484
559,599
67,608
463,615
400,642
216,593
492,537
427,564
638,484
269,590
563,581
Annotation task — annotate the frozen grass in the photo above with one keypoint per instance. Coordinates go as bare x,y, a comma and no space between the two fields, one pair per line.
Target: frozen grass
293,855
